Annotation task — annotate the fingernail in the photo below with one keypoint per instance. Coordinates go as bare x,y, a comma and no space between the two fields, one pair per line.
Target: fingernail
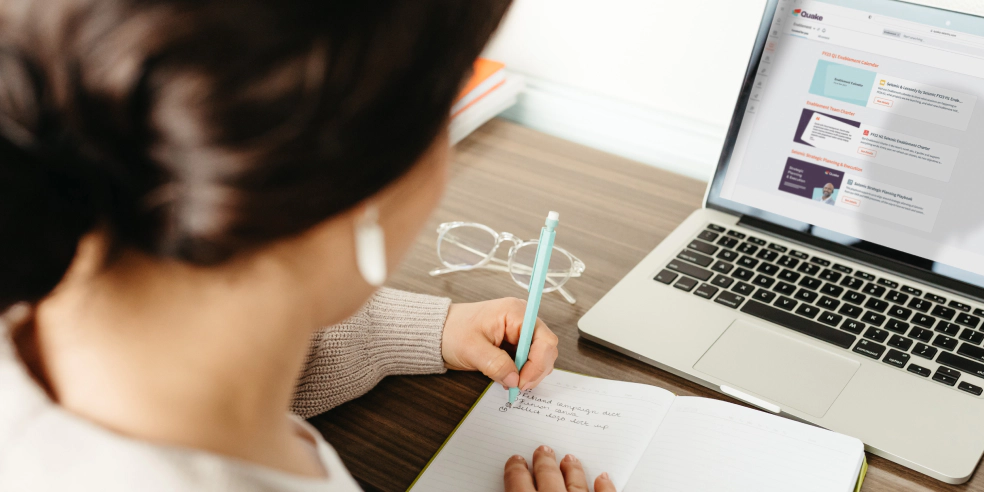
512,380
604,475
570,458
505,387
518,457
545,449
527,386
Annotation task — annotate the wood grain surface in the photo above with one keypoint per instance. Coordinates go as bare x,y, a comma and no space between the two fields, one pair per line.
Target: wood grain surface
613,212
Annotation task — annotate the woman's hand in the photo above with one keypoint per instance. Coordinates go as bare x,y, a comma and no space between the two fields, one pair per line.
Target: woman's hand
475,333
549,477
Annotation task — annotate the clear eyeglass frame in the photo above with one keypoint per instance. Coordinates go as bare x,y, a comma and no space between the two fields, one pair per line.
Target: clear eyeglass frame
465,239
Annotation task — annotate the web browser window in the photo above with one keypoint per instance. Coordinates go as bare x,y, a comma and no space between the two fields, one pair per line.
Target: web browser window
870,126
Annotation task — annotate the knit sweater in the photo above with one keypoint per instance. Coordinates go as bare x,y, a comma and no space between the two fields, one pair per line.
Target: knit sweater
43,447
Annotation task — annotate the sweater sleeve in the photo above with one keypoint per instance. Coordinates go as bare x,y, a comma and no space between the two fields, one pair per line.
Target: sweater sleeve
395,333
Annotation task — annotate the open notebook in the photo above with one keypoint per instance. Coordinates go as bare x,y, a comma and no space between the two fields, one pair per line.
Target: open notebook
646,438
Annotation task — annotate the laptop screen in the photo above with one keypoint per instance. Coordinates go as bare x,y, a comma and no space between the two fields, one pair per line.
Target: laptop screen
863,124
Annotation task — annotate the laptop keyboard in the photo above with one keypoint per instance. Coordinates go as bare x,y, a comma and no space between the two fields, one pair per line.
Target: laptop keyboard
900,325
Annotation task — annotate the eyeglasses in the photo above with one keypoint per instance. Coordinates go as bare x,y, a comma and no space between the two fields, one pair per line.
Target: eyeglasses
463,246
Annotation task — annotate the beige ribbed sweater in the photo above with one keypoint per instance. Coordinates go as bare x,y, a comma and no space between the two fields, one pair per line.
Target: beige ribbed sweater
45,448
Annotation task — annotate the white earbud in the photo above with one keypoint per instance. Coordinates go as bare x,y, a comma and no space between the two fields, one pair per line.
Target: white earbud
370,247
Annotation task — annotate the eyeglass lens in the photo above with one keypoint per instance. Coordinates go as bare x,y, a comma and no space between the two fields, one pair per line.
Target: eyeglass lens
465,246
558,271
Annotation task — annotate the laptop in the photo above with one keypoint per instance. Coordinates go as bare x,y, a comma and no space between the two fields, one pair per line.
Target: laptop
835,273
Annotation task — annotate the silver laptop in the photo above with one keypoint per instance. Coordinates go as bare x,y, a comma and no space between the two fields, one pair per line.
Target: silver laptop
835,273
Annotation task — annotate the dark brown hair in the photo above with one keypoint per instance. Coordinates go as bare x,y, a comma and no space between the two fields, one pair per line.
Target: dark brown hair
197,129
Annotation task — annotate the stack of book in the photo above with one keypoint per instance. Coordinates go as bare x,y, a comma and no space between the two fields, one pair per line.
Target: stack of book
490,91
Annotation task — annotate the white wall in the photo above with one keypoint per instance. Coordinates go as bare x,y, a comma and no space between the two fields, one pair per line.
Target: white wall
665,69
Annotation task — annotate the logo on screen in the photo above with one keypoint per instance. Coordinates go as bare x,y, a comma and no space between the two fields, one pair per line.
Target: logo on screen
796,12
807,15
866,133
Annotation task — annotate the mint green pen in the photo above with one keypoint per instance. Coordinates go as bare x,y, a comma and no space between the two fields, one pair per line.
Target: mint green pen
539,275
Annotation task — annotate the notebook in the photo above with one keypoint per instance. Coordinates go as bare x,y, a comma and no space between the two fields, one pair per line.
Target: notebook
646,438
490,91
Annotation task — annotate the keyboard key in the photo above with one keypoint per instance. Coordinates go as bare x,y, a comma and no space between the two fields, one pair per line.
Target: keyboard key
722,266
842,268
959,306
707,249
767,268
767,255
869,348
948,328
970,388
891,284
747,262
736,234
971,351
743,274
853,326
873,290
727,242
945,342
722,281
828,303
899,326
923,350
899,312
706,291
756,241
830,275
788,261
896,297
829,318
923,320
864,275
793,322
935,298
943,312
854,297
785,303
896,358
742,288
695,258
877,305
715,227
808,268
820,261
852,283
685,284
747,249
900,341
708,236
876,335
727,255
873,318
946,376
850,310
665,277
957,362
832,290
920,370
974,337
777,247
784,288
799,254
921,334
810,283
806,295
920,304
764,281
912,291
807,311
688,269
788,275
730,300
979,312
763,295
968,320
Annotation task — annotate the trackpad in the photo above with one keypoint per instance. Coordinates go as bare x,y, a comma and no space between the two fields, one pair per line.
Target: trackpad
787,371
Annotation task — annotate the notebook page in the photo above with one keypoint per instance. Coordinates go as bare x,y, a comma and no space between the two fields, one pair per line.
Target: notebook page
606,424
706,444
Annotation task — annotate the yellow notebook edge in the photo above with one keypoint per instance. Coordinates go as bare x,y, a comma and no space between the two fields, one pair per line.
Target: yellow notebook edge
864,471
486,390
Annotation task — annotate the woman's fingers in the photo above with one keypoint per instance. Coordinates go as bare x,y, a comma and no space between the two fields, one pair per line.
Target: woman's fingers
604,484
573,474
517,475
545,470
543,354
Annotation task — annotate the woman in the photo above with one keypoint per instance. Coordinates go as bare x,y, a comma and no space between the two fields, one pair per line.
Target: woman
189,190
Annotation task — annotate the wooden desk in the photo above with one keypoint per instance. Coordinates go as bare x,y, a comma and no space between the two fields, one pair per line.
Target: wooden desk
613,210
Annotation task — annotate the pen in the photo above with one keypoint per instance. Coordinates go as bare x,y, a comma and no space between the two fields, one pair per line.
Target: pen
537,277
